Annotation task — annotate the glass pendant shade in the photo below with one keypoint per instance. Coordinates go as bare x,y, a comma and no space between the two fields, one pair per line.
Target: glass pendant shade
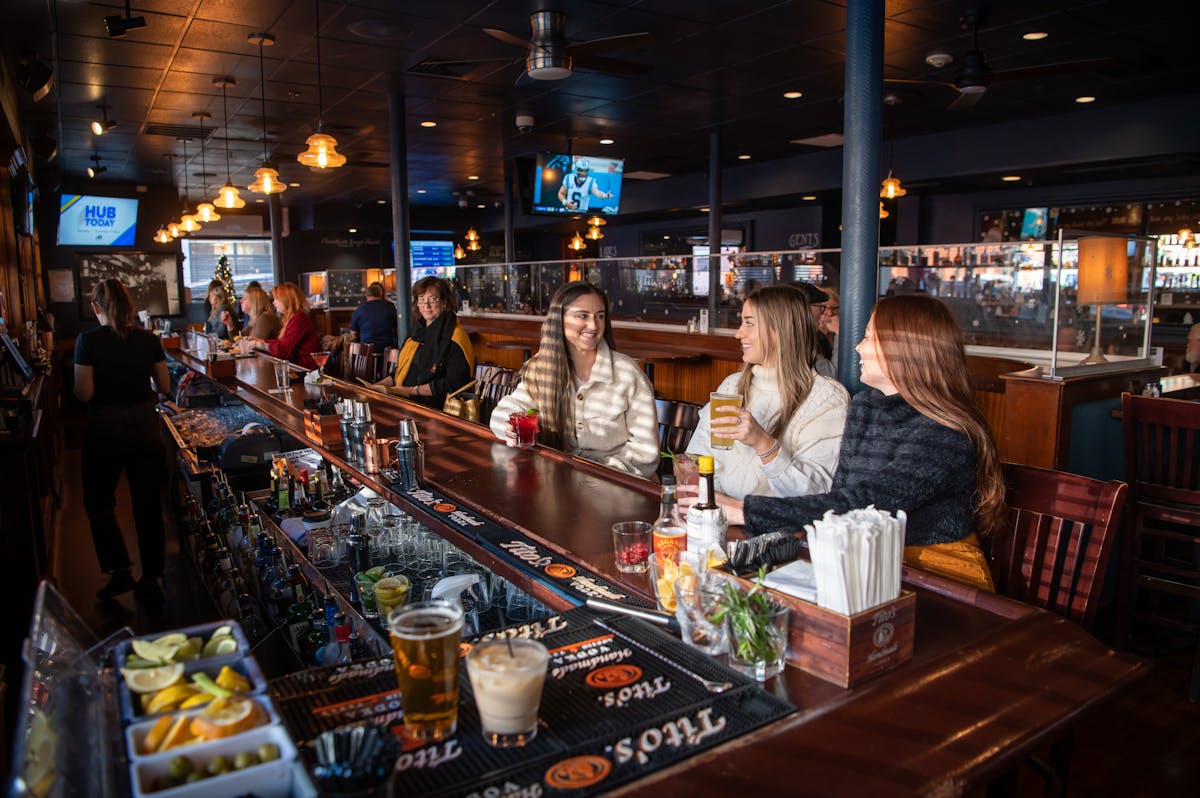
206,213
473,246
227,197
891,187
577,242
472,235
162,236
594,234
883,214
596,221
173,230
188,223
459,252
322,152
266,181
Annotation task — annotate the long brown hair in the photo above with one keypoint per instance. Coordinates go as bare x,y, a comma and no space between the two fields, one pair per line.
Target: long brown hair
547,375
788,333
292,299
922,351
257,298
114,301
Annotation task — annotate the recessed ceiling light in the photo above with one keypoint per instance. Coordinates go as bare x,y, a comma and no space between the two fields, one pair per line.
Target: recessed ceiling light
809,197
472,177
481,205
258,200
429,123
606,141
294,185
666,238
1085,99
381,202
1035,36
1011,178
704,210
793,95
353,230
420,191
744,157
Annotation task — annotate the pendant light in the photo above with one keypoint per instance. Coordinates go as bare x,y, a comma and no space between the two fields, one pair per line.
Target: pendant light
596,221
594,234
187,222
471,234
266,177
227,195
891,188
883,214
459,252
322,148
204,211
577,243
474,246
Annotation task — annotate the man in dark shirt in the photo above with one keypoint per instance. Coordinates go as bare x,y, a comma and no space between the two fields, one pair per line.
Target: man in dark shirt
374,321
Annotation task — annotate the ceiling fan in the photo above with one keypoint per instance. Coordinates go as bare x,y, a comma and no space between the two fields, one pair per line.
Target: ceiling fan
975,76
550,56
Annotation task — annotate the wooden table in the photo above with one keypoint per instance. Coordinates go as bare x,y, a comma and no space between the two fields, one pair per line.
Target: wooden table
991,679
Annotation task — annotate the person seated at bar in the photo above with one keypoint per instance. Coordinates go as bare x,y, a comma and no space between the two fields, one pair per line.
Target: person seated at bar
298,338
374,321
222,318
915,440
437,357
592,401
1191,355
261,321
789,430
821,356
829,324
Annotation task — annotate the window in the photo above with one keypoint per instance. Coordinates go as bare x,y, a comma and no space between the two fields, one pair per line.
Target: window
249,259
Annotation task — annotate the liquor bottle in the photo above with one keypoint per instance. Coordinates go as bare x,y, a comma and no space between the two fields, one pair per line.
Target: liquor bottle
316,637
706,522
283,495
358,648
299,608
669,531
250,619
341,491
337,650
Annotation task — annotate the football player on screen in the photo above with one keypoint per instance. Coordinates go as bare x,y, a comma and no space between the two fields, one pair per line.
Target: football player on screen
579,187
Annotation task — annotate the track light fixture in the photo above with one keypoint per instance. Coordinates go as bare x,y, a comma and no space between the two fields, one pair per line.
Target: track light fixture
117,26
103,124
96,169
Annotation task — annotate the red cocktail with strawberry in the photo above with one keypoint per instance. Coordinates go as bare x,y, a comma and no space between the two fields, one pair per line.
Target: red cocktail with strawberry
525,426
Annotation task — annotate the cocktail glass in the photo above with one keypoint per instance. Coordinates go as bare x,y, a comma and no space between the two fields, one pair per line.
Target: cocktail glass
425,637
321,358
666,567
687,470
525,425
507,677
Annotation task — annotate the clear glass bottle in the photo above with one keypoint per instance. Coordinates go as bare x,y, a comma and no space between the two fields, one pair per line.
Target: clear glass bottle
337,651
669,530
706,522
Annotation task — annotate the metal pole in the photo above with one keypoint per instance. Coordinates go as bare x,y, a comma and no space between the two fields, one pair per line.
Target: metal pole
398,150
860,180
275,211
714,225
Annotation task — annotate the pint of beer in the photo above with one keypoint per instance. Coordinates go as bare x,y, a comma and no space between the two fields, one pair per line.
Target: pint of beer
715,401
425,638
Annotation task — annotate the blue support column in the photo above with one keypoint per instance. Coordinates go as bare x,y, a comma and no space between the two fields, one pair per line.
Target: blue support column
860,180
398,150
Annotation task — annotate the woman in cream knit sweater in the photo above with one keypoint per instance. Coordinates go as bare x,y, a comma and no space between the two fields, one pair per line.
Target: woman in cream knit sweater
788,434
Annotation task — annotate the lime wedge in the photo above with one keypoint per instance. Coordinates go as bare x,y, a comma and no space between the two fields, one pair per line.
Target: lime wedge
174,639
374,574
152,651
218,645
222,631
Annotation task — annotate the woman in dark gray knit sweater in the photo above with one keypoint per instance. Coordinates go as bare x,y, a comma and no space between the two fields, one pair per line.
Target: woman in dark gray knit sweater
915,440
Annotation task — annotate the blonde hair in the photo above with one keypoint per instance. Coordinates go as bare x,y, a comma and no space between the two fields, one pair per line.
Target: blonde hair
788,333
258,301
292,299
922,352
547,375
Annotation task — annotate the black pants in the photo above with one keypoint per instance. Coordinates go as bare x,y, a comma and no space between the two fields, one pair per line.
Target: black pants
126,439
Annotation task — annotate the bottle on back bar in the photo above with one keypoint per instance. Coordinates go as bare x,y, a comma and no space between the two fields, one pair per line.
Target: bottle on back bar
706,522
338,649
669,531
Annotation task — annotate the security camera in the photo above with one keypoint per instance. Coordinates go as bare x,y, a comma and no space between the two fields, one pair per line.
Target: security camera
525,122
117,25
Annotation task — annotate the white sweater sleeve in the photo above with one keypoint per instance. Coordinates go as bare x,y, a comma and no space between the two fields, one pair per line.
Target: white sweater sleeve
640,453
808,453
516,402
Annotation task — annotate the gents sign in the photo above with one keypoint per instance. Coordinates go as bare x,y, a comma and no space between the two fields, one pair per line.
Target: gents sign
96,221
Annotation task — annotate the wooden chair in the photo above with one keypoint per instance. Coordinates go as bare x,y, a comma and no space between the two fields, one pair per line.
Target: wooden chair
500,384
676,423
1054,551
360,362
1160,561
391,359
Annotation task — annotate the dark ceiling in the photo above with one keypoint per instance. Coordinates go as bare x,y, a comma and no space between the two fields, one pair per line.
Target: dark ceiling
710,64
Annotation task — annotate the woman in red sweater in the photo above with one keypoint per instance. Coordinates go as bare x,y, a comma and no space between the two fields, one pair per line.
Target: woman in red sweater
298,338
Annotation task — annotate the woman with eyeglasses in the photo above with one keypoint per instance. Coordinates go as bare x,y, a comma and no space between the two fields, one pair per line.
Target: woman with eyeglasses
592,401
828,322
788,432
437,357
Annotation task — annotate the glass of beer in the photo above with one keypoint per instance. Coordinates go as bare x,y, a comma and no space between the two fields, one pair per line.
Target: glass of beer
716,401
425,638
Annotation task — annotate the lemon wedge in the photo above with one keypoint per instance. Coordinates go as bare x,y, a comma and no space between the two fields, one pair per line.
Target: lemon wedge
174,639
151,680
218,645
153,651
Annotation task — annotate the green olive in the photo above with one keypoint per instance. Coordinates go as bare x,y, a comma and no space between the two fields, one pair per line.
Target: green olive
194,776
268,752
244,760
219,764
179,767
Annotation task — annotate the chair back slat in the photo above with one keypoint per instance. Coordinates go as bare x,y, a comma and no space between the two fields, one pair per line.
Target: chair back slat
1060,533
1162,448
500,383
361,362
676,422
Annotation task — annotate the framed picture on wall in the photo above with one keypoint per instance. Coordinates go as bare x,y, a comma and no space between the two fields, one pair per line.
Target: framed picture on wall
152,279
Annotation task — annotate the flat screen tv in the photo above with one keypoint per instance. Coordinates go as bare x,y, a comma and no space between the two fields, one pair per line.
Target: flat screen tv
566,184
85,221
1033,225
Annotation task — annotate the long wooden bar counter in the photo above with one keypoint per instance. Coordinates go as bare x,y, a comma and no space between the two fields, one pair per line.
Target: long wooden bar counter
991,679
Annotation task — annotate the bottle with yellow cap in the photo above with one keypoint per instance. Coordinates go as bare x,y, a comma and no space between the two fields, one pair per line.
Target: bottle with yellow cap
706,522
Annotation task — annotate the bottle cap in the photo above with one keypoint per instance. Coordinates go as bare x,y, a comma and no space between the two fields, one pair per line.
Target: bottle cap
668,479
705,464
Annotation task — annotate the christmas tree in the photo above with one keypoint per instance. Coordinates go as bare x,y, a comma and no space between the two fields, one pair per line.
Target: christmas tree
226,277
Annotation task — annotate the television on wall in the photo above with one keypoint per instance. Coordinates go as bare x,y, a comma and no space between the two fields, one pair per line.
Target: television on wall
431,259
569,184
85,221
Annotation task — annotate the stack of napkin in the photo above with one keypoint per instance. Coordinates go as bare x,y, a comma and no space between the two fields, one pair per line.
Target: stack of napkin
857,558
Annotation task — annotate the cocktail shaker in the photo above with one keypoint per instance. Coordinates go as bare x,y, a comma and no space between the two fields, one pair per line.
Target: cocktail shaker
410,455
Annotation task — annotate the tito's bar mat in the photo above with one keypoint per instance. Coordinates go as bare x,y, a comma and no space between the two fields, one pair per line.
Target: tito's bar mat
610,713
567,578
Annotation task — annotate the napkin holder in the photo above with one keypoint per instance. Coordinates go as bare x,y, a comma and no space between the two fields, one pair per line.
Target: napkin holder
848,650
220,365
323,430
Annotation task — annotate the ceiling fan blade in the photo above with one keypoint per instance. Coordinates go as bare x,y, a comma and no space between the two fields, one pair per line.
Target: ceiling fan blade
904,82
507,38
965,100
608,44
1050,70
614,66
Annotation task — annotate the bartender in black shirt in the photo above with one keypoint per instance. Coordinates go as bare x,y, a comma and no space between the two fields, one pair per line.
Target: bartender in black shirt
114,366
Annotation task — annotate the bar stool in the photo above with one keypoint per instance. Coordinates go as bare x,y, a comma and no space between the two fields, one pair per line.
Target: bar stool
1161,556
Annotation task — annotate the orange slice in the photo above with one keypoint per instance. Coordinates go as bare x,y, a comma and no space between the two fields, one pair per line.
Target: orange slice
225,717
179,733
157,733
